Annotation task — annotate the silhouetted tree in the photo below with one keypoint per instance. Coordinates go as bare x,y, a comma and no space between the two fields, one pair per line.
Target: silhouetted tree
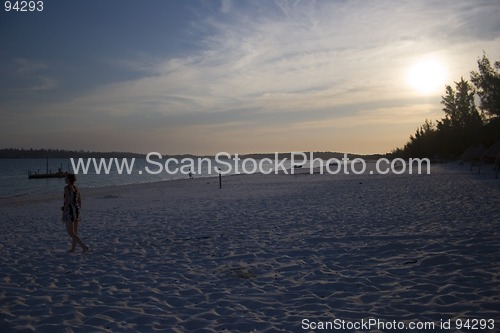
462,123
422,143
487,82
459,106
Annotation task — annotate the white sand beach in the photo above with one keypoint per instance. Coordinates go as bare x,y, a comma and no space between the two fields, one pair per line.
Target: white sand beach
266,253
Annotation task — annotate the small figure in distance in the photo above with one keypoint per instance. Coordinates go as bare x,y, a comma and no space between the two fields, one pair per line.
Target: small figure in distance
71,212
190,174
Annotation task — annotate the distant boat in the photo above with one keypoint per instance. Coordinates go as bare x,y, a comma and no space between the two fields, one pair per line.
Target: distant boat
49,174
35,175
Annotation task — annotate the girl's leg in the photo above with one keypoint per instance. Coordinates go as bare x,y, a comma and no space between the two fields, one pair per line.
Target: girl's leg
75,239
75,231
71,232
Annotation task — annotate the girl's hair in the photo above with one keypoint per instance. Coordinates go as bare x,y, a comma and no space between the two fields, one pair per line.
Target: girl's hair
71,177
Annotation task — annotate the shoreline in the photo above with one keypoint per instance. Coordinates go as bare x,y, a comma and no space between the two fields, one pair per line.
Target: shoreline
289,171
35,197
15,183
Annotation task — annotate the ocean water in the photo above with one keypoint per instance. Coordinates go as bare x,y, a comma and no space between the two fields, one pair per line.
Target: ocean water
14,172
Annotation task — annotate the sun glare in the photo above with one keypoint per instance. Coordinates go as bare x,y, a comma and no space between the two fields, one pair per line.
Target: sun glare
427,76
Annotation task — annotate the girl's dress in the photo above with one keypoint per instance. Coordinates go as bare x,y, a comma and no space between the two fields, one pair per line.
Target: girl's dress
72,213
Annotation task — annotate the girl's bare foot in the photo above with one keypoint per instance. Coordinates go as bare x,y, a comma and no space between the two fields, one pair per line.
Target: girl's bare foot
85,250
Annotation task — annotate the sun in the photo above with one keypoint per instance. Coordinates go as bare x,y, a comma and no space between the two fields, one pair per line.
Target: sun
427,76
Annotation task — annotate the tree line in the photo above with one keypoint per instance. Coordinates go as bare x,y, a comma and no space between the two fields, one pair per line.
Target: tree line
61,153
464,123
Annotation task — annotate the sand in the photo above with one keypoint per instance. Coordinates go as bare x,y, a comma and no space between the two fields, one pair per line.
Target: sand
266,253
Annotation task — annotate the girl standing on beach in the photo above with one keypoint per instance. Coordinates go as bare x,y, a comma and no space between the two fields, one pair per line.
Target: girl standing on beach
71,212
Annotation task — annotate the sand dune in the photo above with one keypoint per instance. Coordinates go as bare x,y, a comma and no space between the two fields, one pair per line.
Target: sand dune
264,253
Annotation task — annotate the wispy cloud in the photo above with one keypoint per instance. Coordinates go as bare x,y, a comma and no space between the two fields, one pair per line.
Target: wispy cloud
28,66
301,58
226,6
29,76
43,83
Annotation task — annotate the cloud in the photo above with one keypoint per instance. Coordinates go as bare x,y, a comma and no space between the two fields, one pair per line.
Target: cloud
23,65
226,6
267,64
43,83
276,67
28,75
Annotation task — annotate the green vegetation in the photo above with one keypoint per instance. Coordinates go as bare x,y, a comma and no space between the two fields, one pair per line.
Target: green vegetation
464,124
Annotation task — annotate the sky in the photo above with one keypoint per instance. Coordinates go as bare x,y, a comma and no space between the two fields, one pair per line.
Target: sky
209,76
